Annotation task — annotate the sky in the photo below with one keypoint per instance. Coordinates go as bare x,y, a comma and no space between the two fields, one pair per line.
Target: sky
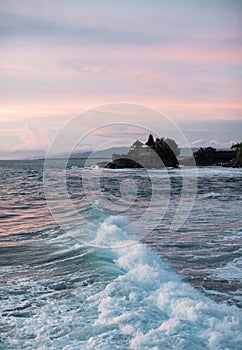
60,58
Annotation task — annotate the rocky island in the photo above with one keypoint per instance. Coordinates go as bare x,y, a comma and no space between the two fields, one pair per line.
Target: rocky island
209,156
163,152
157,154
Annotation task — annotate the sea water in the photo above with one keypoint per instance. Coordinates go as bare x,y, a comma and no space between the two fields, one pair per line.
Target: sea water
167,290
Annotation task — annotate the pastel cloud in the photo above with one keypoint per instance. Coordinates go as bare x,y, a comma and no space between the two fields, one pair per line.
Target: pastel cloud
28,137
59,58
35,138
135,22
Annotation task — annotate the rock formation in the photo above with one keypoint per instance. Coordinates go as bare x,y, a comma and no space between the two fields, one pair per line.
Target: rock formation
209,156
154,154
238,161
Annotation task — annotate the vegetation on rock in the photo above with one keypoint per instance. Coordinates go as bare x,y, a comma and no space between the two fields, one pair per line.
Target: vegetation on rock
209,156
238,148
163,152
157,154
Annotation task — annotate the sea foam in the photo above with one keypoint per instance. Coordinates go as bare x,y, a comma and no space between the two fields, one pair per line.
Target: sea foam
151,304
143,304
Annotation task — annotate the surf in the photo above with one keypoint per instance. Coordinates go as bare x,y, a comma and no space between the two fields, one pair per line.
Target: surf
152,307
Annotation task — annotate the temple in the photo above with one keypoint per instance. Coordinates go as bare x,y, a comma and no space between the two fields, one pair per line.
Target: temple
154,154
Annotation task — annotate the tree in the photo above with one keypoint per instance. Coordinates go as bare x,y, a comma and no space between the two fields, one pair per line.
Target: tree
173,146
238,147
150,142
167,150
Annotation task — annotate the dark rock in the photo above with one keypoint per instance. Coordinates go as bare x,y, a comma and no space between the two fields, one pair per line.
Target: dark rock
209,156
238,161
110,165
102,164
121,163
154,154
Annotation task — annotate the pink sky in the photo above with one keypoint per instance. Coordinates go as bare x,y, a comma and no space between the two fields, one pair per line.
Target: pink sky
59,58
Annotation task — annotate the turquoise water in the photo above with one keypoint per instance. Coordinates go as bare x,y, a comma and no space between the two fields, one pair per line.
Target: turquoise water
169,290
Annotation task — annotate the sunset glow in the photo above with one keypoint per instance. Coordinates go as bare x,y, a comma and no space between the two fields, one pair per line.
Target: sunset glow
59,59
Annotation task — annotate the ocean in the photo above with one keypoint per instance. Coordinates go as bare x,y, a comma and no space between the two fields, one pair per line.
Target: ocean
152,289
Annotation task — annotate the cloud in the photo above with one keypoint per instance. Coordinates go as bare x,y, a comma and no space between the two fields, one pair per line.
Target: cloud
120,24
212,143
28,142
218,144
34,138
59,58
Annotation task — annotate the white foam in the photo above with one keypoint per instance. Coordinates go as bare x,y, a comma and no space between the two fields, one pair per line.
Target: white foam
145,306
232,271
113,232
157,310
